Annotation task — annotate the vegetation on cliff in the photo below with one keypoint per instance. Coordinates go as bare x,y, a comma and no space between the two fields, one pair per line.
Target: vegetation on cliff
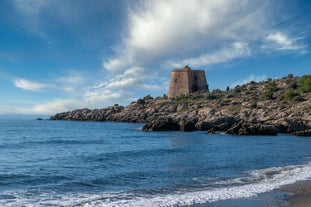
282,105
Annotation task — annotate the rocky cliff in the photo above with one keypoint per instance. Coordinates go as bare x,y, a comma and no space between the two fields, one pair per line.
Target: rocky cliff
268,107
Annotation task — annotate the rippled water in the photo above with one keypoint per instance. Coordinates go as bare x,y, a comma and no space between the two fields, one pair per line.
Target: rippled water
65,163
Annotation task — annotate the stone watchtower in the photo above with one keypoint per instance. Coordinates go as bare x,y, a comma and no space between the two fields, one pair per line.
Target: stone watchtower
185,81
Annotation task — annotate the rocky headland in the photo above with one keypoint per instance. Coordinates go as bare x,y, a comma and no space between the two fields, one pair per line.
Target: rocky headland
256,108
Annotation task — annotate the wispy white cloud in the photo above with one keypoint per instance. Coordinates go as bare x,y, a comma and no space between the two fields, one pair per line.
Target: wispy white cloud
81,91
123,86
236,50
29,85
250,78
50,107
279,41
88,23
30,6
71,83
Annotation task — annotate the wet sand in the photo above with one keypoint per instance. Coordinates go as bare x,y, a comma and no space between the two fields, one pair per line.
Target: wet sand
301,192
269,199
293,195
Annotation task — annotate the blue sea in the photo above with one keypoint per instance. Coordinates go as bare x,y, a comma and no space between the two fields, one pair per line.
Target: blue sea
70,163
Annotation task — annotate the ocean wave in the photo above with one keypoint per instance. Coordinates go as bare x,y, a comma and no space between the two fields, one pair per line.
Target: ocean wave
258,181
133,154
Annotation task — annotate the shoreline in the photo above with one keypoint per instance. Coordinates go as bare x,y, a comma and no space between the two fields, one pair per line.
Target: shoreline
292,195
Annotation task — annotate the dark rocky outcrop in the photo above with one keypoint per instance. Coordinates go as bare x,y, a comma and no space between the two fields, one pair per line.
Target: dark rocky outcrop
217,124
162,124
187,125
211,131
291,126
247,128
88,115
170,124
304,133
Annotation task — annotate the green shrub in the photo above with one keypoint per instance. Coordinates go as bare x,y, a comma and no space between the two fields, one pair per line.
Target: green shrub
270,89
289,94
253,85
148,97
217,90
268,95
182,101
237,89
141,101
304,84
212,97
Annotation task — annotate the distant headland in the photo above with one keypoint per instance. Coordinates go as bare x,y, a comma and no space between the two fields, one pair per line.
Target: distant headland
256,108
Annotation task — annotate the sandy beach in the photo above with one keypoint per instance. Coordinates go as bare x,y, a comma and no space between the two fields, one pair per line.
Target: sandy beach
301,194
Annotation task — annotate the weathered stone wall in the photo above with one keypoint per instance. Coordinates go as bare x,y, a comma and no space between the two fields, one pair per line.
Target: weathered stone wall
197,80
179,83
184,81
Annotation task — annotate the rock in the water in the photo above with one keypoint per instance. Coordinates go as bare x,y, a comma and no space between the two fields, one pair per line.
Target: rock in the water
292,125
161,124
218,124
304,133
187,126
246,128
211,131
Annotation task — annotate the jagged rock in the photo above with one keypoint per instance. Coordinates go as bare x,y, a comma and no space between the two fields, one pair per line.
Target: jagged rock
59,116
291,126
218,124
246,128
304,133
161,124
235,129
187,126
88,115
211,131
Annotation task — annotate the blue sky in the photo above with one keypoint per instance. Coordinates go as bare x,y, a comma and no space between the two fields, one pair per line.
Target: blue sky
59,55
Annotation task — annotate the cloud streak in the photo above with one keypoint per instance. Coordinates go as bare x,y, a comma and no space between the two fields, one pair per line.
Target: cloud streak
280,42
50,107
44,19
28,85
250,78
123,86
86,91
237,50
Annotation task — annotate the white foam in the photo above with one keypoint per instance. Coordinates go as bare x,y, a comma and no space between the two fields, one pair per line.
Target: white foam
259,181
